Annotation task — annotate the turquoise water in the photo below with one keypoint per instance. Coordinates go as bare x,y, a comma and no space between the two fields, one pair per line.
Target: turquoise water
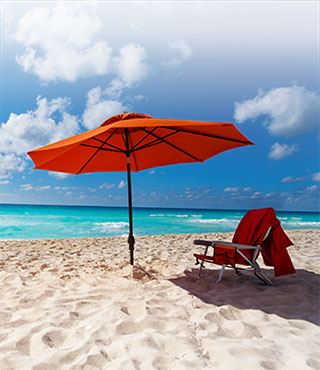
41,222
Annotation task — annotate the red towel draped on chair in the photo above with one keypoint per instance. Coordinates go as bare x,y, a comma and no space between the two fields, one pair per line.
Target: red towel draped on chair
251,231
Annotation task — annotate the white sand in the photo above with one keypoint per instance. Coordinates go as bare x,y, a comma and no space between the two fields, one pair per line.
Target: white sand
78,304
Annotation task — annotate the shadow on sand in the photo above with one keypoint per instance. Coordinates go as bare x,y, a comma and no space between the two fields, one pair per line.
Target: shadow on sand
291,297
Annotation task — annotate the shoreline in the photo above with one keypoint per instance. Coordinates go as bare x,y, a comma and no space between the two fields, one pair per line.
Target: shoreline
71,304
147,235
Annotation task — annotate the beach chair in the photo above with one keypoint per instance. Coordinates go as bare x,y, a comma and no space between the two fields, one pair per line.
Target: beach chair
258,231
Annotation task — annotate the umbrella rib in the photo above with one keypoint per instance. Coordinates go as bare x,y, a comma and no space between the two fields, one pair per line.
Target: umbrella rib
156,141
94,154
208,135
174,146
133,154
140,141
124,142
104,143
105,149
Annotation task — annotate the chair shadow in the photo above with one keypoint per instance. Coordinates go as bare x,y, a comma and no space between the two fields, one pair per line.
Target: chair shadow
296,296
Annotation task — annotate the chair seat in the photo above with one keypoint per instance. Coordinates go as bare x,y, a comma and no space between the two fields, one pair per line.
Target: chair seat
223,256
204,258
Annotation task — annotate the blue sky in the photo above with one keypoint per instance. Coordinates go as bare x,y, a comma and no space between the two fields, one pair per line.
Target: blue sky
68,66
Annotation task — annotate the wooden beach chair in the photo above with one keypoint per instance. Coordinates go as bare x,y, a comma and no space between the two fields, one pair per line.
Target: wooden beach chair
258,231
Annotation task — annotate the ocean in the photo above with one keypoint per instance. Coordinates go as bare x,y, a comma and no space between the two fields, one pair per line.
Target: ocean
47,222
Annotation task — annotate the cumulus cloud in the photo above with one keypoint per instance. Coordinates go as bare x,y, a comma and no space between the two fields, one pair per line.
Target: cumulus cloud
231,189
246,189
106,186
291,179
130,68
122,184
281,151
29,187
316,177
10,163
33,129
62,43
292,110
130,64
99,108
235,189
59,175
182,52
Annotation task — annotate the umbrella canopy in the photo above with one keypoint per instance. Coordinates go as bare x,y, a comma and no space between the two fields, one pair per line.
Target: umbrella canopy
135,142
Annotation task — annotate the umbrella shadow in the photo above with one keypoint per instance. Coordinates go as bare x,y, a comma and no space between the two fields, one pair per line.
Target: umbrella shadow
291,297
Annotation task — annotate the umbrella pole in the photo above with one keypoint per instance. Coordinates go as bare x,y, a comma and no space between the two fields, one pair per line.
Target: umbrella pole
131,237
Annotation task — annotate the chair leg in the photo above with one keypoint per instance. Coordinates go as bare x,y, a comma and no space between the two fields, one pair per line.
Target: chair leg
260,275
221,273
202,262
200,269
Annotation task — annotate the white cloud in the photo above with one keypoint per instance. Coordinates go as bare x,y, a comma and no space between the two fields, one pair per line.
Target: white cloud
106,186
246,189
152,172
4,182
33,129
131,65
122,184
235,189
26,187
99,109
290,179
316,177
10,163
281,151
311,189
130,68
182,53
231,189
257,194
29,187
292,110
59,175
61,43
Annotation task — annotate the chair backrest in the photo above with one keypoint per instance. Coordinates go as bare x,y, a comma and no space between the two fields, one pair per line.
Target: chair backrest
254,225
267,234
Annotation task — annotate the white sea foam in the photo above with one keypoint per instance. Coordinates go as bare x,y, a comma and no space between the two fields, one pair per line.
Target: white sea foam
213,221
157,215
112,225
304,224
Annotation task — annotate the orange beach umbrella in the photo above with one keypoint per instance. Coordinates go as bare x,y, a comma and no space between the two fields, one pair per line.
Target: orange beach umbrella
134,142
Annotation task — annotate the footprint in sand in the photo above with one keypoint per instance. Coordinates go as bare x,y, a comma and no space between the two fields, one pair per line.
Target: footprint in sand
23,345
135,311
269,365
250,331
53,339
314,364
127,327
230,313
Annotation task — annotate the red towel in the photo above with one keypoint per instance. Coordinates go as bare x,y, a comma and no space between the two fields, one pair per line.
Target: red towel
251,231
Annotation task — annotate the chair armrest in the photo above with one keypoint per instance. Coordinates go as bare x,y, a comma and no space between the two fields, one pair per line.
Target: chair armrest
225,244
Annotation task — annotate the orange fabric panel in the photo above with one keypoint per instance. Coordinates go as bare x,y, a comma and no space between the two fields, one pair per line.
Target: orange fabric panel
104,148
